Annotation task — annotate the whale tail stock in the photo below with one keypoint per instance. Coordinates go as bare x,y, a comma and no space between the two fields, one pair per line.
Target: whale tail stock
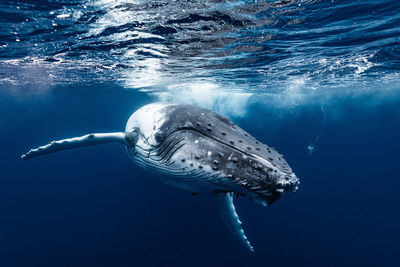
126,138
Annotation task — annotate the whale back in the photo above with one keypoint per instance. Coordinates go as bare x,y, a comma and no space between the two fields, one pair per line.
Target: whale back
221,129
157,121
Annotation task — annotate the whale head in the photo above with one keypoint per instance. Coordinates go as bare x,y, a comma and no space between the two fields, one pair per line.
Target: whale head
201,151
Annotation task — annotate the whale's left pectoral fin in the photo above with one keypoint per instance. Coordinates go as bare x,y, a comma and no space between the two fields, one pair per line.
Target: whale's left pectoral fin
228,213
126,138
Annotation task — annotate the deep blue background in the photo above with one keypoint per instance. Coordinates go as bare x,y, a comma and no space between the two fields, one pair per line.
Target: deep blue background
92,207
320,73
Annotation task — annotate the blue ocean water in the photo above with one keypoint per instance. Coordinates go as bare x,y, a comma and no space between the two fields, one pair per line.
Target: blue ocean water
318,80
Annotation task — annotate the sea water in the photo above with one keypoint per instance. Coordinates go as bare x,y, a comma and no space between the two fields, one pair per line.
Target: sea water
318,80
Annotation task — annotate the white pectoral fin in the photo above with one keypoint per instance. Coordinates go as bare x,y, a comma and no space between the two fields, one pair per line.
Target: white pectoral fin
228,213
87,140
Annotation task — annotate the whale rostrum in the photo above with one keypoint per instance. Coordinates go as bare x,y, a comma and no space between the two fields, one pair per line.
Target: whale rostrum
200,151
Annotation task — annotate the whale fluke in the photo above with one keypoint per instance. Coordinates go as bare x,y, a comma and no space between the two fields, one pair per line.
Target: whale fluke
82,141
228,213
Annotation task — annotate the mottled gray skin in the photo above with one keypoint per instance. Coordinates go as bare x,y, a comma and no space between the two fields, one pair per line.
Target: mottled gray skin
198,145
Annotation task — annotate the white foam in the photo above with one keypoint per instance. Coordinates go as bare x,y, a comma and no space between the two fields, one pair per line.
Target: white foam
208,95
63,16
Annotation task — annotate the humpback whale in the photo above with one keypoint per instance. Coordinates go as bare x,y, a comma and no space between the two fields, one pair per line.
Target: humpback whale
200,151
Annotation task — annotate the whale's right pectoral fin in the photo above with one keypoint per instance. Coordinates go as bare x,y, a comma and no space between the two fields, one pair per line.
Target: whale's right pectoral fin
128,138
228,213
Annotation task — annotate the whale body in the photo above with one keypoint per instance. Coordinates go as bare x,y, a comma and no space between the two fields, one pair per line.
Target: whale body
200,151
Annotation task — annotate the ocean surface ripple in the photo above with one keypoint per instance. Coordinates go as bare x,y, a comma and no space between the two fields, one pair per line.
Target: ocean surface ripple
283,53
